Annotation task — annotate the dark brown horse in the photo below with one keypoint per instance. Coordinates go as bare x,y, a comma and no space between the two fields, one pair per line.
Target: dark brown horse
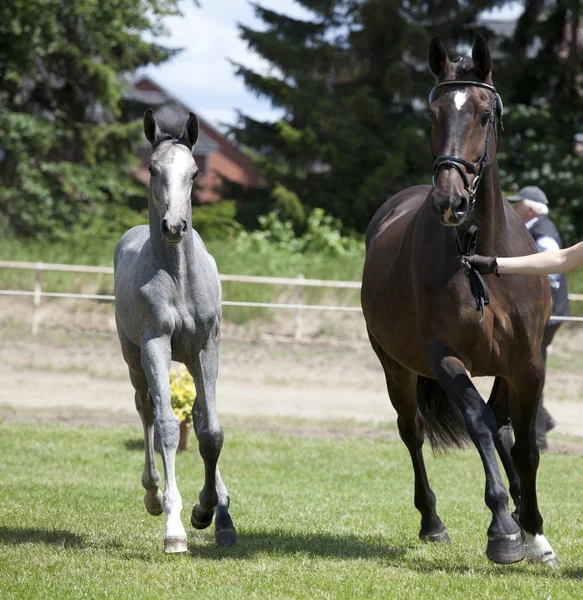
432,334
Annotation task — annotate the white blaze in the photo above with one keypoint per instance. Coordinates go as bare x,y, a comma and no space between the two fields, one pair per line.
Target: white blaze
460,99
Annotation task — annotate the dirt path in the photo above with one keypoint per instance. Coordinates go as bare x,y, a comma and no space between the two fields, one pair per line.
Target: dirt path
74,371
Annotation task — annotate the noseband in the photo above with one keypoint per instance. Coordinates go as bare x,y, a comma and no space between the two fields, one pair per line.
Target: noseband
457,162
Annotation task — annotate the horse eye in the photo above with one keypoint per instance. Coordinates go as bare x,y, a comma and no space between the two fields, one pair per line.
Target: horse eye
195,174
485,118
152,171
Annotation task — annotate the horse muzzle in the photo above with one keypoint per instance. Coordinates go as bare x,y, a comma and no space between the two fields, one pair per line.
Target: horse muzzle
173,232
452,209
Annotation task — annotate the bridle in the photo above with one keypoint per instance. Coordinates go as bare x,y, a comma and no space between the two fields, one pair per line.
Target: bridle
457,162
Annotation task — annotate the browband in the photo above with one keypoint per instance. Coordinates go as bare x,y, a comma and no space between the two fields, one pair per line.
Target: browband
499,105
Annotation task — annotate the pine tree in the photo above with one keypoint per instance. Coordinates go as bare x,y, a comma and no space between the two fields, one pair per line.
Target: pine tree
65,146
543,83
352,83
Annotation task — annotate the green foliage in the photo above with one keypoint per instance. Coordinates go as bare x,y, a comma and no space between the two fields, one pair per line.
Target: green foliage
182,393
67,150
216,220
322,235
289,206
534,154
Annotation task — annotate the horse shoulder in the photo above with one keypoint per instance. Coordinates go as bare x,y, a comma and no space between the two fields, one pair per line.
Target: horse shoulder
130,243
401,206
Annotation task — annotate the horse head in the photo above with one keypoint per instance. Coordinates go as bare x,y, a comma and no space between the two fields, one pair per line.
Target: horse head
172,173
463,107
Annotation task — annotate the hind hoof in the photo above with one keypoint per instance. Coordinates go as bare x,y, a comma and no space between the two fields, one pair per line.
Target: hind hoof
550,561
539,551
200,518
435,537
226,537
173,545
506,549
153,503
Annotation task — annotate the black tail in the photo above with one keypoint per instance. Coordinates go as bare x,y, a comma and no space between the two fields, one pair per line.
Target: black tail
445,425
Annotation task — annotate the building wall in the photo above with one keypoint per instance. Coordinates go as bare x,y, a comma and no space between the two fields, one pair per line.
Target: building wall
220,165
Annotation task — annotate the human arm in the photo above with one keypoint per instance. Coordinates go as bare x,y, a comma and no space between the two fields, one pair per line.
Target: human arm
541,263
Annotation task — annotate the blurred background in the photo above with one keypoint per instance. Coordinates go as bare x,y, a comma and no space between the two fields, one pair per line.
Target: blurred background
312,113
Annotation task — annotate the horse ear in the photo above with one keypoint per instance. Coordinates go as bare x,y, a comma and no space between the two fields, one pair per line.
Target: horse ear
481,57
151,128
190,135
437,57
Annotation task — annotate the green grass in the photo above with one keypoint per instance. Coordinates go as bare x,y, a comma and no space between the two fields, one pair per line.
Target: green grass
316,518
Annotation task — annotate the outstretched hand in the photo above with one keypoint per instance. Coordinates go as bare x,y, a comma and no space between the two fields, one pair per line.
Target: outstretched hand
482,264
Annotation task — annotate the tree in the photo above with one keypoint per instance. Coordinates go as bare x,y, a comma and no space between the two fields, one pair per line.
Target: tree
352,84
65,148
543,85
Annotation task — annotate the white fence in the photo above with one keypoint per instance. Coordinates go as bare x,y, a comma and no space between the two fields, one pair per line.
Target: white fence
299,282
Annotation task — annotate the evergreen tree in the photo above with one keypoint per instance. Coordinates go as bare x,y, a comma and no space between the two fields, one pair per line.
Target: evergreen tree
543,83
353,84
65,148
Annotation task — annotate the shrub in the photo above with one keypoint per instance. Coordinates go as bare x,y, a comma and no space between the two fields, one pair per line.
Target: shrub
322,236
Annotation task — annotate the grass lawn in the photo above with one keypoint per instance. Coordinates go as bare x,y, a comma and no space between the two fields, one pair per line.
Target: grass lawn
316,518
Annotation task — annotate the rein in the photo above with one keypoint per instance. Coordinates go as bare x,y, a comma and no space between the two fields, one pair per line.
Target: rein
457,162
478,286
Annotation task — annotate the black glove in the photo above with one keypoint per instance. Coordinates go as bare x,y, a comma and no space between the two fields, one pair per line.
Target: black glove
483,264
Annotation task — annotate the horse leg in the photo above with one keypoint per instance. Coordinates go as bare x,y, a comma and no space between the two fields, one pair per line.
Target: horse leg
145,408
505,543
401,385
526,387
499,403
214,498
156,365
150,476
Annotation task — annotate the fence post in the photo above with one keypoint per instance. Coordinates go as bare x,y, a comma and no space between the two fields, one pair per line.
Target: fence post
36,297
298,314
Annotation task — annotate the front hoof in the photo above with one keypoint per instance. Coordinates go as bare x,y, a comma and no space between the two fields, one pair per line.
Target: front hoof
153,503
201,518
226,537
435,537
506,549
173,545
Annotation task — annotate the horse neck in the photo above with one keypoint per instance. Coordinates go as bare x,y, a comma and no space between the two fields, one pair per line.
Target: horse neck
489,210
177,259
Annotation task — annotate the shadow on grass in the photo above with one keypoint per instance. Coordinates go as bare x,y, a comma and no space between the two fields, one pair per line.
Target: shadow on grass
352,547
282,543
134,444
575,573
14,536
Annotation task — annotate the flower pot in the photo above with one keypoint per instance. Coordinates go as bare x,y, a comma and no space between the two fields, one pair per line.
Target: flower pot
184,431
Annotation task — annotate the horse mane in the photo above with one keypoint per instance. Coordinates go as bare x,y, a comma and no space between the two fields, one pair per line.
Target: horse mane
172,123
463,69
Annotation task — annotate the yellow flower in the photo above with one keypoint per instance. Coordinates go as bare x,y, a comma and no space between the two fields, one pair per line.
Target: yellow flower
182,393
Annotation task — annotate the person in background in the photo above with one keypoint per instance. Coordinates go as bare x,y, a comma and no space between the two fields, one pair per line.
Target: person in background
531,205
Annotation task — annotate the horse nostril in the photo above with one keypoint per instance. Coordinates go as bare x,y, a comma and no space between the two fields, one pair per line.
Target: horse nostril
165,228
183,229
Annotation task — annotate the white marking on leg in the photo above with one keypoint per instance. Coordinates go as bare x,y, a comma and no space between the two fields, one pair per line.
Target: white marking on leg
172,510
460,99
538,549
